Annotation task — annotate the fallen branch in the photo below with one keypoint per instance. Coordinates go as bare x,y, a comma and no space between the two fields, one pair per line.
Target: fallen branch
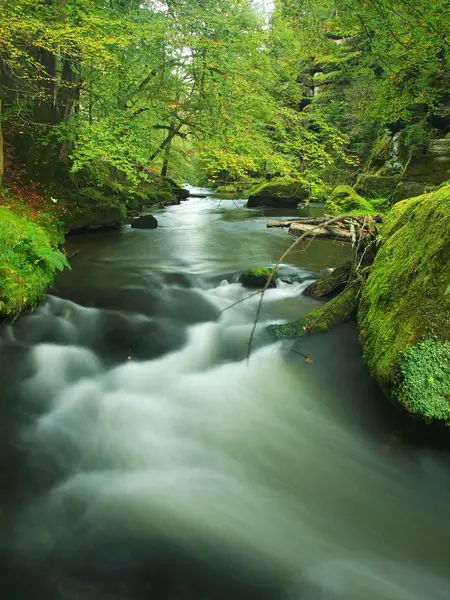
321,231
303,236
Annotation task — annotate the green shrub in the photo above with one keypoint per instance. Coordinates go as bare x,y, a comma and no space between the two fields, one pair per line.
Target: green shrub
29,258
422,380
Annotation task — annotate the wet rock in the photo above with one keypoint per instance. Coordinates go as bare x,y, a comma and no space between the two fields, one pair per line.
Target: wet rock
257,278
145,222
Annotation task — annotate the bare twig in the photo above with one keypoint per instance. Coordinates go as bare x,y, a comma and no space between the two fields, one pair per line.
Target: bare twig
275,268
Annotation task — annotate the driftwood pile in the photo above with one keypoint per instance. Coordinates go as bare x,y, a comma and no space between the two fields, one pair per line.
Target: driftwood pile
346,229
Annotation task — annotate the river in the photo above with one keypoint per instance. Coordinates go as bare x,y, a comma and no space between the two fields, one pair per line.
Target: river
143,457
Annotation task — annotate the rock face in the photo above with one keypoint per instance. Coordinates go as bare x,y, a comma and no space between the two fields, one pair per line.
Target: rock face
177,190
404,312
281,192
371,185
84,214
257,278
145,222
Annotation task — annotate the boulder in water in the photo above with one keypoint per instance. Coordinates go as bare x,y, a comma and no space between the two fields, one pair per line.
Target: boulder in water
145,222
280,192
257,278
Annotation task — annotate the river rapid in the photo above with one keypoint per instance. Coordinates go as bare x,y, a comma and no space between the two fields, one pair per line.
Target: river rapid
143,457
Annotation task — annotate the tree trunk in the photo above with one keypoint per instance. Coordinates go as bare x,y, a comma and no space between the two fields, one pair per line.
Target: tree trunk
329,233
2,160
168,140
165,166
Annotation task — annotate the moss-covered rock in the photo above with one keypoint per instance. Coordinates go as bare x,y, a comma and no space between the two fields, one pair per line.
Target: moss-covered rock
336,311
345,199
257,278
371,185
405,300
279,192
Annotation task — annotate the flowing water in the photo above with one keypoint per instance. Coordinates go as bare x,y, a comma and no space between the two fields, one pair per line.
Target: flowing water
143,457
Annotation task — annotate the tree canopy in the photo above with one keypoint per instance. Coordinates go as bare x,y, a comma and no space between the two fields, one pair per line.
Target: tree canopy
213,87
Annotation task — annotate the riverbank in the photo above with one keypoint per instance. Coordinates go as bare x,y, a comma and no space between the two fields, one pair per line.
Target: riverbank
30,249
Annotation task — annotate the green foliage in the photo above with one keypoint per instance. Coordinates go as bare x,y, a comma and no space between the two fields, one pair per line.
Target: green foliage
29,259
404,300
422,380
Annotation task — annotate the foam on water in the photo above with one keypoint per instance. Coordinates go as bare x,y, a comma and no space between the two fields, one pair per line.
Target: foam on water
245,466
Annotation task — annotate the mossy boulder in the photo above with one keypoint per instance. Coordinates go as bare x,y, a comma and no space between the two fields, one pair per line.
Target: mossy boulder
371,185
257,278
345,199
230,188
406,303
280,192
340,309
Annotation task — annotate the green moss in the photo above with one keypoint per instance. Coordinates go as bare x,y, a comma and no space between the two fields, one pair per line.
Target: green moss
404,301
422,380
370,185
334,312
345,199
257,278
280,191
29,257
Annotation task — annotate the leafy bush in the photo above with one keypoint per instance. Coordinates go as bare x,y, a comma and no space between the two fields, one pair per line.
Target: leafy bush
422,380
29,259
